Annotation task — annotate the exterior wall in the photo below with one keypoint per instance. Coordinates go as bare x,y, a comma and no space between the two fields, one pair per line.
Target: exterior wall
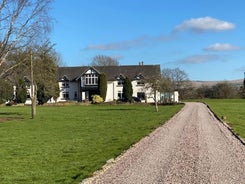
141,88
113,91
72,89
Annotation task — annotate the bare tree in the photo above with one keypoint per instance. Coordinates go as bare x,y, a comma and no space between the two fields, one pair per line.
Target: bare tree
177,80
177,77
101,60
22,23
155,84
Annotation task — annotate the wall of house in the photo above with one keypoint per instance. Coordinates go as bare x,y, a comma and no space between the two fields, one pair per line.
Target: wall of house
113,91
71,89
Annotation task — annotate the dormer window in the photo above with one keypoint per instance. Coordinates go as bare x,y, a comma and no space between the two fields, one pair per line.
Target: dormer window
65,84
140,83
140,80
120,82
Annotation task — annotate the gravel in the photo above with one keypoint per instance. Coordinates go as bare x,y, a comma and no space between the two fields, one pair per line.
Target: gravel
192,147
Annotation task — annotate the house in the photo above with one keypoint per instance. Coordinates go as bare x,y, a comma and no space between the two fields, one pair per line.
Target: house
81,83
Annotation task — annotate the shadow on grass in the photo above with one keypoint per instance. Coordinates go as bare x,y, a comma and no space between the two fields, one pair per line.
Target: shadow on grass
10,116
116,109
10,113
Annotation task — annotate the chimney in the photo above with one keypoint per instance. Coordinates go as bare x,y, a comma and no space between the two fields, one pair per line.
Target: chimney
141,63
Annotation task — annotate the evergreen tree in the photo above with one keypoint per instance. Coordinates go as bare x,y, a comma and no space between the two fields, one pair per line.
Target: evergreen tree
42,96
127,90
6,91
102,85
21,91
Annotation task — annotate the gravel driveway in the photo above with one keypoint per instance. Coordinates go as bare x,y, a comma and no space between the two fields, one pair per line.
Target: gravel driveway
192,147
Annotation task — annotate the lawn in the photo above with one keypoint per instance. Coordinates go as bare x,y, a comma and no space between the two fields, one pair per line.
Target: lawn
65,144
233,110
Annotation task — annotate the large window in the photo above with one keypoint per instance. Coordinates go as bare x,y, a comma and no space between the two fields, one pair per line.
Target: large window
91,79
141,95
120,94
66,95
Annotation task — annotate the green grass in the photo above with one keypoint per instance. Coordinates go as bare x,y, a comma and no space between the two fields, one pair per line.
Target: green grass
233,110
67,144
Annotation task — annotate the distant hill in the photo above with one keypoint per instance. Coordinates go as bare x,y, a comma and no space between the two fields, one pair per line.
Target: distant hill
198,84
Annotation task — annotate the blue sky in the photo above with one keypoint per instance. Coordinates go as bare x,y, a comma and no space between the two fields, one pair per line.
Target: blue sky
205,38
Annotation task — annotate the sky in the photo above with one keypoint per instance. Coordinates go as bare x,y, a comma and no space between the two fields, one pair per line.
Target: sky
204,38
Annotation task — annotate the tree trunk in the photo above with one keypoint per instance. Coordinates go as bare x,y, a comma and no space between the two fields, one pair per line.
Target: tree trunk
33,93
155,97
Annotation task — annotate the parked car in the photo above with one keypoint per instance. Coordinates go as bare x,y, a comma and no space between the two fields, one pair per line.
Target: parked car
136,99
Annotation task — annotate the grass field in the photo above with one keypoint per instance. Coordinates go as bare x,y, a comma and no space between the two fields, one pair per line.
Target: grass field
66,144
233,110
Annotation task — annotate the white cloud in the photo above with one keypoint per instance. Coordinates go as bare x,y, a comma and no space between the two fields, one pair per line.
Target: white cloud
204,24
222,47
124,45
119,45
200,58
241,69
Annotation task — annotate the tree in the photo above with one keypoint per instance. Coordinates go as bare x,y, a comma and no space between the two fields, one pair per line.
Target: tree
127,90
101,60
102,85
156,83
21,91
46,71
177,81
224,90
6,91
23,23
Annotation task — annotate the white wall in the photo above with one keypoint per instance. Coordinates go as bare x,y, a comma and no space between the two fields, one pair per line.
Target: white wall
113,89
73,87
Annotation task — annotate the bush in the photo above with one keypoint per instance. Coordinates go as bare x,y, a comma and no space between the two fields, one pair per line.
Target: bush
97,99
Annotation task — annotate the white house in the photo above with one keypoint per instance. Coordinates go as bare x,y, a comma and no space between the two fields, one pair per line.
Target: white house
81,83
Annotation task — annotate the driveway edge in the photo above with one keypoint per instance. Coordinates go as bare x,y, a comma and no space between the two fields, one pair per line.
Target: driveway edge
226,125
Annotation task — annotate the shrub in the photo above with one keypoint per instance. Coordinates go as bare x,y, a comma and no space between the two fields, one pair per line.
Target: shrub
97,99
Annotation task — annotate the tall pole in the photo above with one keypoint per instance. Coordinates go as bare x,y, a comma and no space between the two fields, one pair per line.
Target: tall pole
33,92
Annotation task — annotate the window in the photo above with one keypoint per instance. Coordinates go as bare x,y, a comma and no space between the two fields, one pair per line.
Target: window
141,95
120,94
120,82
91,79
140,83
65,95
75,95
65,84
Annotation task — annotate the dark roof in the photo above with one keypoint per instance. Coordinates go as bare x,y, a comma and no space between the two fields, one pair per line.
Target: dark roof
112,72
